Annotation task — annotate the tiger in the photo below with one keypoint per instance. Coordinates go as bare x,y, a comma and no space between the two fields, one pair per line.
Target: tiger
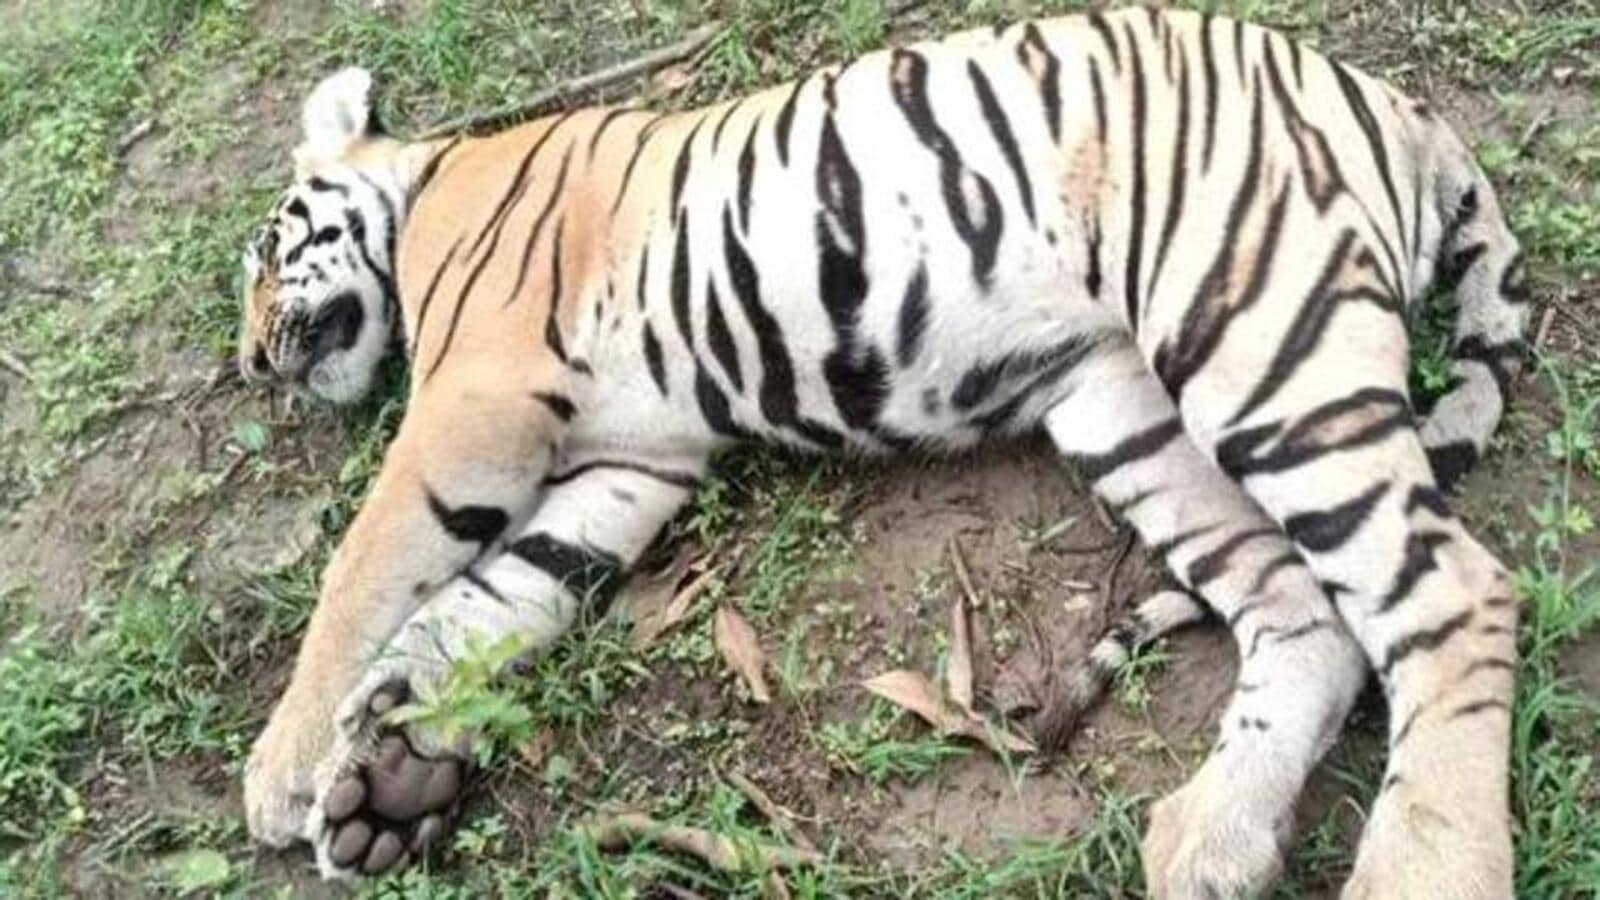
1184,247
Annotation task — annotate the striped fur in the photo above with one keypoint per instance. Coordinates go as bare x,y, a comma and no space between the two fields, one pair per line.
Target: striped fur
1185,247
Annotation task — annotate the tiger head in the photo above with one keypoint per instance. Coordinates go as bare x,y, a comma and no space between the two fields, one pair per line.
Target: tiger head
319,297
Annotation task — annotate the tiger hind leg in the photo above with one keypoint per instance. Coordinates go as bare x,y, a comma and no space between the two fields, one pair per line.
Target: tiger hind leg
391,787
1222,834
1331,451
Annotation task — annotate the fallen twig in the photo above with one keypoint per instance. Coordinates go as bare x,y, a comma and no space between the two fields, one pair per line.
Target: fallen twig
963,575
560,95
718,851
780,818
15,366
1108,590
135,134
1543,333
958,670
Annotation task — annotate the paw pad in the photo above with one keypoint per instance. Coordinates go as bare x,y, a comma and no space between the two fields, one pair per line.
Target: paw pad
394,807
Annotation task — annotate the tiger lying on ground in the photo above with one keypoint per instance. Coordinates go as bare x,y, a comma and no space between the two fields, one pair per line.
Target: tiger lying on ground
1183,246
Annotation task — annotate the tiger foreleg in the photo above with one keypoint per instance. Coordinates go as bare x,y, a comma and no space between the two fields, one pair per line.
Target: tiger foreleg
391,787
1223,833
453,480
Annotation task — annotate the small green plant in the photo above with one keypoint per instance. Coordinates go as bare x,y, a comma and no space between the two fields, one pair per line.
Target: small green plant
869,746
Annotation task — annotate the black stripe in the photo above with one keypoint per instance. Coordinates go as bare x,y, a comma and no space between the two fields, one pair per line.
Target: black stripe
1288,559
552,328
322,186
721,339
680,284
714,405
1495,356
680,167
1488,664
1213,564
433,284
913,319
778,402
516,189
1180,168
909,85
1132,449
1295,63
645,134
588,573
477,581
1092,277
685,480
785,124
1109,37
747,175
1369,127
1324,531
1209,57
526,265
1238,50
652,356
358,231
1212,311
642,286
1424,639
1237,453
1305,333
1285,635
1418,561
722,122
481,525
429,169
999,126
1478,706
1097,92
1425,497
493,232
977,385
1049,80
1169,545
605,122
559,404
1130,281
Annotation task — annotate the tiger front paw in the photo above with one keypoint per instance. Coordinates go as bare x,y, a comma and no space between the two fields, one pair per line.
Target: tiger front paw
1212,840
389,793
1420,845
279,777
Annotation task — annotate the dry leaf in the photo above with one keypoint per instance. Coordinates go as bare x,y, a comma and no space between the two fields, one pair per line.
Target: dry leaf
958,670
657,603
912,691
737,643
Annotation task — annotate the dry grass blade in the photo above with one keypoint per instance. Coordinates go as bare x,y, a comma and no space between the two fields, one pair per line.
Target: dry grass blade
737,643
718,851
958,670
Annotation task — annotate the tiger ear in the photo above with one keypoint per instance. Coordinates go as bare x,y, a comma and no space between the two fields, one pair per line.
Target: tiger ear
337,114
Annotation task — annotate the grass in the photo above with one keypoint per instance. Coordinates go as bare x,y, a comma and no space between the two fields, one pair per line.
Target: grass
117,288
